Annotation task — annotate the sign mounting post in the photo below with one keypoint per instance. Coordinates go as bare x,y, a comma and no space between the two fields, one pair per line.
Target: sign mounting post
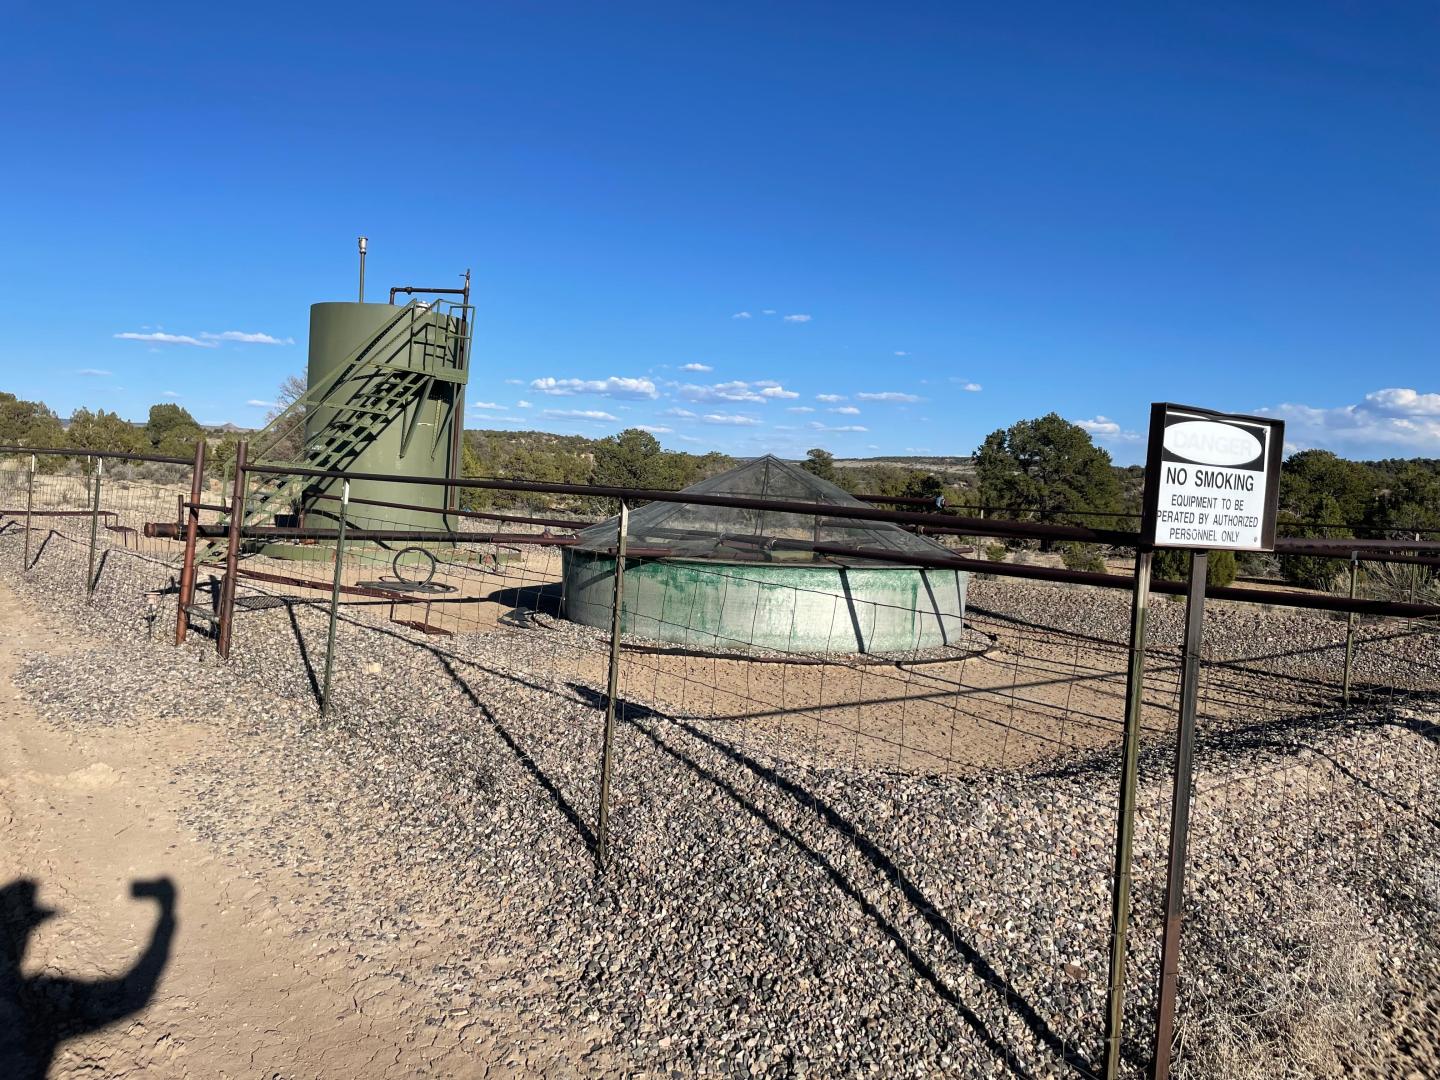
1212,481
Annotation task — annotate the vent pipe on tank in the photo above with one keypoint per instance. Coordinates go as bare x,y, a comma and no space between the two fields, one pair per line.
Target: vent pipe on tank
363,242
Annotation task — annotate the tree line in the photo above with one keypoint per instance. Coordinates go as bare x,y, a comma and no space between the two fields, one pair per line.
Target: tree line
634,458
1045,469
1049,469
170,430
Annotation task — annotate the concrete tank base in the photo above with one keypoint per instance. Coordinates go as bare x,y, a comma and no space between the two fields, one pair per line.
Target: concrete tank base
806,609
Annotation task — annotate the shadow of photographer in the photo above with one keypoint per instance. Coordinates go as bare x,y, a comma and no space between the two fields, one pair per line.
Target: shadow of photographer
39,1012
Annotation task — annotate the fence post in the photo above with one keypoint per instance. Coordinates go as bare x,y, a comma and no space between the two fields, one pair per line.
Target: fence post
1414,575
335,598
226,614
29,506
1125,822
1350,631
186,595
607,753
1180,812
97,471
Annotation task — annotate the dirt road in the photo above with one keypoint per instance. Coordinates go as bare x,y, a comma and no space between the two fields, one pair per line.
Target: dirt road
115,984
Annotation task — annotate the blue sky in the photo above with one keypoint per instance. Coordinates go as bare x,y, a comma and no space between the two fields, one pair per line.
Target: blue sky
876,228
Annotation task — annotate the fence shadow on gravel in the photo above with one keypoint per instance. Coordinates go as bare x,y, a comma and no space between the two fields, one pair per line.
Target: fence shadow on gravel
647,722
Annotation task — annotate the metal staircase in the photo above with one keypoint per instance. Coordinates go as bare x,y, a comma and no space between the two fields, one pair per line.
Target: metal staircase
387,379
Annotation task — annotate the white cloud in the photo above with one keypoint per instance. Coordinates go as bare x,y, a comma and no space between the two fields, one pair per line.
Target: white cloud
248,338
972,387
901,352
169,393
735,390
1102,427
578,414
845,410
485,405
797,318
799,408
830,397
686,413
727,391
256,403
1402,402
655,429
523,404
732,419
818,426
741,315
167,339
94,373
775,390
516,382
698,367
206,339
889,395
614,386
1395,417
768,311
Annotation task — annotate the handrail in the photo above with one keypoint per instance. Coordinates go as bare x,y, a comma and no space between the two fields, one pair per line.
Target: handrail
315,396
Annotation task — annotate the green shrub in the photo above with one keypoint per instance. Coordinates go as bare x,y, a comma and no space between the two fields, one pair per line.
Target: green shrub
1173,564
996,552
1077,556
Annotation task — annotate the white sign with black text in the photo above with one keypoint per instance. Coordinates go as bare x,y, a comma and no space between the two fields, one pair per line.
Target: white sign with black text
1211,479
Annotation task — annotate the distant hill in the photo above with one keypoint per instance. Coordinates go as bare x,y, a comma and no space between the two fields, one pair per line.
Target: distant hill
943,467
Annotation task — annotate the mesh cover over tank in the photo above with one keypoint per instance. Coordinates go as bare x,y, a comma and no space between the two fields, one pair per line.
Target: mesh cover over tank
694,531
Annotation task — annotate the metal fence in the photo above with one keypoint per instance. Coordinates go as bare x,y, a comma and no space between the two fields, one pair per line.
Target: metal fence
82,516
949,855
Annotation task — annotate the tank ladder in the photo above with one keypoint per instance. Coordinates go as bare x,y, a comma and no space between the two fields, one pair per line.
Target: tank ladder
386,379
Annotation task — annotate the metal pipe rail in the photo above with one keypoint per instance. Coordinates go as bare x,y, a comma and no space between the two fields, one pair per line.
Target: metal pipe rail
933,522
166,530
1359,555
78,452
937,503
938,523
1304,523
411,290
1267,597
58,513
482,515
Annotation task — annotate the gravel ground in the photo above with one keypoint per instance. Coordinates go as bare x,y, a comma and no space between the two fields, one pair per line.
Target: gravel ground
765,914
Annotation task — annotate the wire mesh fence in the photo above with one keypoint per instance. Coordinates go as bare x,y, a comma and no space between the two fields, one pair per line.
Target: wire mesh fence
864,811
1315,883
76,522
910,805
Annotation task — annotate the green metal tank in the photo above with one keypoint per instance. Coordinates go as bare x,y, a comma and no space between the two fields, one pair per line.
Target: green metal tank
721,577
338,331
804,608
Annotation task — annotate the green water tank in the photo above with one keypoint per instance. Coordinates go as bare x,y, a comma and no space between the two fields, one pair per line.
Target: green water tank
337,332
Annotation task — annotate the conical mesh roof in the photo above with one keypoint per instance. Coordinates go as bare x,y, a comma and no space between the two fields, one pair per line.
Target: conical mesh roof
691,531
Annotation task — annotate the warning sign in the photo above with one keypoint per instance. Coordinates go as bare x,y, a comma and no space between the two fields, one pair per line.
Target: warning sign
1212,480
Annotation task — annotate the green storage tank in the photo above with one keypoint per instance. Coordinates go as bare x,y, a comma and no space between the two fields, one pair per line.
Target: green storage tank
418,436
721,584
